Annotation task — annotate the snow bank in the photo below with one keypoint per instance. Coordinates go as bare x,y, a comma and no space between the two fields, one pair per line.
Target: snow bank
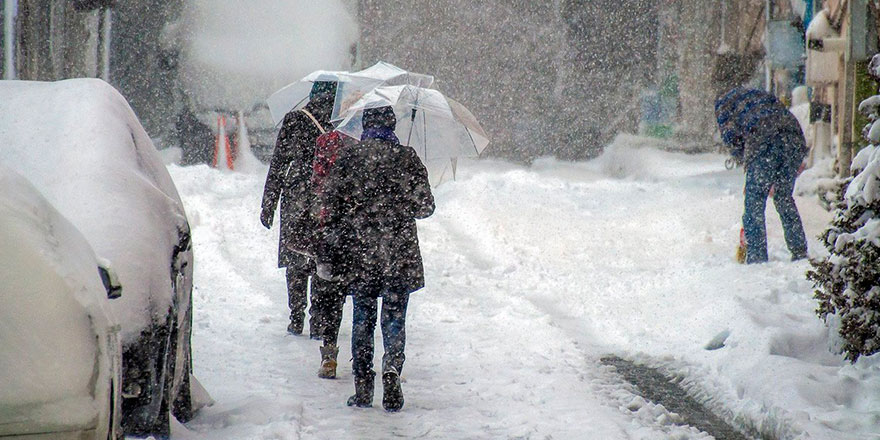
642,158
864,190
818,179
800,108
235,54
52,307
79,142
865,187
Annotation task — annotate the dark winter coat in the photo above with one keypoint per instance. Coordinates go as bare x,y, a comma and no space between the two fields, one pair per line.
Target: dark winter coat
374,192
752,120
289,179
196,140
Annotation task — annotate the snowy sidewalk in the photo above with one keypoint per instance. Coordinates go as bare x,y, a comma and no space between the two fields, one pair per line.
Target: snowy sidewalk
532,275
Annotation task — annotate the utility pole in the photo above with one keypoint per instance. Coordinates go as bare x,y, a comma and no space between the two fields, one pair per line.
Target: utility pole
33,26
844,149
768,64
9,10
104,28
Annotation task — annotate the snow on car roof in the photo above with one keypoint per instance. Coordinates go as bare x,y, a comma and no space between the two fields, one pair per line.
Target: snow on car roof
80,143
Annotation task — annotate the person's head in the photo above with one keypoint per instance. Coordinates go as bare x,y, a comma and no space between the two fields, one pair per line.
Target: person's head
725,105
322,95
380,117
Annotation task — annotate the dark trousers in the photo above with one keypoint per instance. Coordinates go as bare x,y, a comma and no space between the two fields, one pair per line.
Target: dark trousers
393,325
328,298
771,169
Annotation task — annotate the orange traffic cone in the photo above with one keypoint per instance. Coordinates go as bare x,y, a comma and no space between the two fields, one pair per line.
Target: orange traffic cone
223,155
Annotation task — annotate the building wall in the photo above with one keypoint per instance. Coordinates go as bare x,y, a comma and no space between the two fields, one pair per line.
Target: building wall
55,41
699,43
499,58
611,50
140,67
542,77
707,47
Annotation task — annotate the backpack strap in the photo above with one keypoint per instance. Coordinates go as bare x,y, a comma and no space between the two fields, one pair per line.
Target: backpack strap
312,117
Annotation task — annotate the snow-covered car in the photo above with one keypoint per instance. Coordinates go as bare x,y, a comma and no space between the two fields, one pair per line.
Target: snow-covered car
81,145
59,344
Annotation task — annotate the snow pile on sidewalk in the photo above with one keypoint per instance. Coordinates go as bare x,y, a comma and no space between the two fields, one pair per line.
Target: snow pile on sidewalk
533,274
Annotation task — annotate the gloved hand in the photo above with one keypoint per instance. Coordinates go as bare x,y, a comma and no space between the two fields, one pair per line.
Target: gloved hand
325,271
266,217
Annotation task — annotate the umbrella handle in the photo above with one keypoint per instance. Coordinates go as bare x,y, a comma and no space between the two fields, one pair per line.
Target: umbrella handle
411,125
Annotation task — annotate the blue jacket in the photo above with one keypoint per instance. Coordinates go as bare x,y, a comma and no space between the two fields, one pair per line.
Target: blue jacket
752,120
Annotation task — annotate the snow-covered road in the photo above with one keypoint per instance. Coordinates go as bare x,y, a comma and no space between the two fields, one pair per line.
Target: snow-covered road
532,275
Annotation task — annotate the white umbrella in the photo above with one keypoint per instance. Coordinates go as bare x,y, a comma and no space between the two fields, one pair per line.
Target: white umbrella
350,87
353,86
296,95
435,126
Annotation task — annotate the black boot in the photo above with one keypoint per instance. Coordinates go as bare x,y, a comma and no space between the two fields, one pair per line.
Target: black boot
295,327
392,396
363,391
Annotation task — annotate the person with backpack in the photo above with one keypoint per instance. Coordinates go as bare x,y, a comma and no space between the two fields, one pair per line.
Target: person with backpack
766,138
290,180
372,196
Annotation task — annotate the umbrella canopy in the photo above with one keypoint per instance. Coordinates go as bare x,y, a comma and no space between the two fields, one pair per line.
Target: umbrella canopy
435,126
353,86
296,95
350,87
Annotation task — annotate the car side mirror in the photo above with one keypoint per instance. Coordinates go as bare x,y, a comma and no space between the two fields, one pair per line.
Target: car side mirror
110,280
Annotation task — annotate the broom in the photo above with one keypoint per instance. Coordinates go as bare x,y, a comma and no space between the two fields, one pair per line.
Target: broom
741,248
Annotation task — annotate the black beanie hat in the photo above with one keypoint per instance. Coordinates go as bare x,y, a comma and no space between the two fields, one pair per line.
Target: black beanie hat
379,117
322,89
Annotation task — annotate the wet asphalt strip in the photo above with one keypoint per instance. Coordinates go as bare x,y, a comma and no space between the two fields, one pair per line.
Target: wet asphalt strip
662,390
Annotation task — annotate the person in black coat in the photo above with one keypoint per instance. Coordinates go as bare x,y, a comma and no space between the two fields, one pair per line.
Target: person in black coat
764,136
289,179
373,195
196,139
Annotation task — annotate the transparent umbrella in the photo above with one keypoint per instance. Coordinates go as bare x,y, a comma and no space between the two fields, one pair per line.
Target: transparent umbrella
437,127
353,86
296,95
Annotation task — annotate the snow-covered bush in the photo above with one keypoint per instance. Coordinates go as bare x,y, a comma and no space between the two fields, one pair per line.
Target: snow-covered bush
847,282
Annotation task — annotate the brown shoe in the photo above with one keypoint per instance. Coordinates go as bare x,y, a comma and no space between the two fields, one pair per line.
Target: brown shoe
328,362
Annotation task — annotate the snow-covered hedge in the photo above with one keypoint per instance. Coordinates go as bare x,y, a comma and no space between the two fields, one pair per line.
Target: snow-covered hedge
847,282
